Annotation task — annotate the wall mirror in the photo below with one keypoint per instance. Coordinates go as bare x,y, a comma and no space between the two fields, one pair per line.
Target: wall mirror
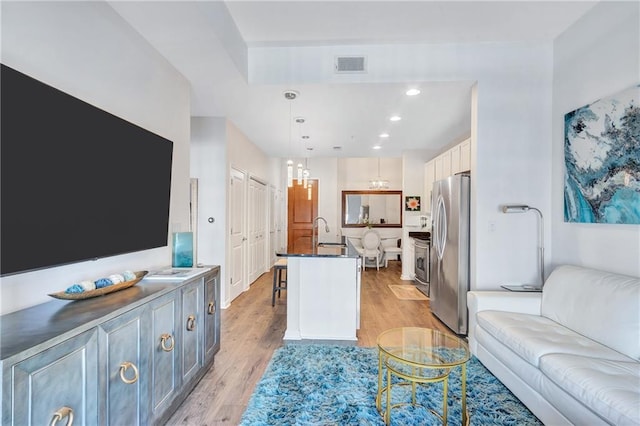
380,209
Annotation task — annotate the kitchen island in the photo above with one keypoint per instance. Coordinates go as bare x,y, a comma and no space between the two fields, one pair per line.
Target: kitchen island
323,293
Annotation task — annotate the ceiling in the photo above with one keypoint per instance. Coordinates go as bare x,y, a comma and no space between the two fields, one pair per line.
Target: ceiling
349,116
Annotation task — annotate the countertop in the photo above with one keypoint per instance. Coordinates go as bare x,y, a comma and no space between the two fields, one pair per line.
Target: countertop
327,250
426,235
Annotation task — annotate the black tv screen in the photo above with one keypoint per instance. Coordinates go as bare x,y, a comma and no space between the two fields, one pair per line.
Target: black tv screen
77,182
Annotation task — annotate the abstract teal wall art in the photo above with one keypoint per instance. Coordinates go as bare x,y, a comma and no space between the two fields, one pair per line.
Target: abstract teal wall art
602,160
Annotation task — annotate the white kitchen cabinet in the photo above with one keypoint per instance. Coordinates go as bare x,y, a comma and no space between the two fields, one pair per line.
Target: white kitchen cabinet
446,164
465,156
450,162
429,178
438,172
455,160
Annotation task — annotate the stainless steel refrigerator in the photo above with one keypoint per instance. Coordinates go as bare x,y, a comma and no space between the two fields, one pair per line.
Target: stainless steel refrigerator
450,251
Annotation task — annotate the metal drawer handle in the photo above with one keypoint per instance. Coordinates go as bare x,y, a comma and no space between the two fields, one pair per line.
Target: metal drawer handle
163,341
61,414
212,308
124,367
191,323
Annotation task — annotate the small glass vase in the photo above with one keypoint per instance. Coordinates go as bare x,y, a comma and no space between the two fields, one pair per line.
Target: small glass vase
182,250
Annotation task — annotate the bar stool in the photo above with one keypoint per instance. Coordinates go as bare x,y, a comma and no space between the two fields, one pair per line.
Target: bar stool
278,282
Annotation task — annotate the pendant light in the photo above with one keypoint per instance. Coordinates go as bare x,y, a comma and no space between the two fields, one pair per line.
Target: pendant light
289,173
305,175
291,95
299,176
378,183
309,190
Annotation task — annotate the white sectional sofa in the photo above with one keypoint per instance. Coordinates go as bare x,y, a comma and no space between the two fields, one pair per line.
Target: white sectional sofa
571,354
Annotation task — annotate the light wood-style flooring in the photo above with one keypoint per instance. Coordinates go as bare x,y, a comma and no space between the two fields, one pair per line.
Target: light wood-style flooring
252,330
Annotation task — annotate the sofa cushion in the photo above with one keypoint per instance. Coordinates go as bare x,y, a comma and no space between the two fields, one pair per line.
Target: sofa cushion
532,336
600,305
609,388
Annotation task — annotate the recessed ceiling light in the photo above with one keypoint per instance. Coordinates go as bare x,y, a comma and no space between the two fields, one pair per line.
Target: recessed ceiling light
299,120
305,137
395,118
384,135
377,147
413,92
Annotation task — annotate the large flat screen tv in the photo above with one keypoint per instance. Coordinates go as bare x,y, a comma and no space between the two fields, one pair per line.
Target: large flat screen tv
77,183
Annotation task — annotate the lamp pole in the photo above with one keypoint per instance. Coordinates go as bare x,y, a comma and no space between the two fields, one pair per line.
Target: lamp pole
521,208
541,247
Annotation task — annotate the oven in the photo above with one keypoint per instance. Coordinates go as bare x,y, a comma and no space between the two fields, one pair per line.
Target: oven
422,247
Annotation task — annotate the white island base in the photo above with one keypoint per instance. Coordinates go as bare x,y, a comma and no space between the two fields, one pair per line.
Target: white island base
323,298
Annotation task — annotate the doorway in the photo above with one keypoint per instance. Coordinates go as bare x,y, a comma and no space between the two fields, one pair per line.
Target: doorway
302,208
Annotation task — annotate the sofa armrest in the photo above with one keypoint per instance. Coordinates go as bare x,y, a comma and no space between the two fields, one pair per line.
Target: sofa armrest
507,301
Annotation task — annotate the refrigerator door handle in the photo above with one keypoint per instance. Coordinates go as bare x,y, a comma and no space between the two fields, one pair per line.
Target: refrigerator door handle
435,225
441,231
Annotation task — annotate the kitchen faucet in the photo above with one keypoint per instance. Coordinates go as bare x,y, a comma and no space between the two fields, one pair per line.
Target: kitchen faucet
314,226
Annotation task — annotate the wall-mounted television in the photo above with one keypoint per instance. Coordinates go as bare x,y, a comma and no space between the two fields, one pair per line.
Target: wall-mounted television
77,183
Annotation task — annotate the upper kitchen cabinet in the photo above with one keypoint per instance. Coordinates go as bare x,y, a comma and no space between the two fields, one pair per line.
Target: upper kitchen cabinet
429,178
450,162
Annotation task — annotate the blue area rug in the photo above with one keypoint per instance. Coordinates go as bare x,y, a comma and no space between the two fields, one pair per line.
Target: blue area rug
337,385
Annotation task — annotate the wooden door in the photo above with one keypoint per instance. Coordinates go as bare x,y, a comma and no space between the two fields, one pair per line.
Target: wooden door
236,216
301,212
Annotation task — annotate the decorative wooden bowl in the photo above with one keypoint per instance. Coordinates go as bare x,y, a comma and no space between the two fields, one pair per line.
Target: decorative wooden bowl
100,291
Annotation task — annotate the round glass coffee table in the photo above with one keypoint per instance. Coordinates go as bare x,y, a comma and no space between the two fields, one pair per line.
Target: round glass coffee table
419,356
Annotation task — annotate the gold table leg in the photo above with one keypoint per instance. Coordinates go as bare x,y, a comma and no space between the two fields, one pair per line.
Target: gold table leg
379,396
387,413
463,379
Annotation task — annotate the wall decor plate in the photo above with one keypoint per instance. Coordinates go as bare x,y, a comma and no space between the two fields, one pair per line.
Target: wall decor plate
602,166
101,291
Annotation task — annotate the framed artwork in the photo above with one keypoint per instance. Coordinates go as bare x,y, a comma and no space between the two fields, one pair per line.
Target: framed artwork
601,152
412,203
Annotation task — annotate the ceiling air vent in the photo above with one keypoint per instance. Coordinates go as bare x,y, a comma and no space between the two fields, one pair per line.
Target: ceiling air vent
350,64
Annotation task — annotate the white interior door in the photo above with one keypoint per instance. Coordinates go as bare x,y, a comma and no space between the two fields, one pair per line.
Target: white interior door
237,213
273,225
258,218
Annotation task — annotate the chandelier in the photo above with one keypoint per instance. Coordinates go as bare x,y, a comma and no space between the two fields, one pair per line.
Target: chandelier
378,182
290,95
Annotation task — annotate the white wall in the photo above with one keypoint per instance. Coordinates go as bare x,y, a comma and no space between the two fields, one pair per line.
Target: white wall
513,139
88,51
597,57
209,166
413,175
217,145
244,155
